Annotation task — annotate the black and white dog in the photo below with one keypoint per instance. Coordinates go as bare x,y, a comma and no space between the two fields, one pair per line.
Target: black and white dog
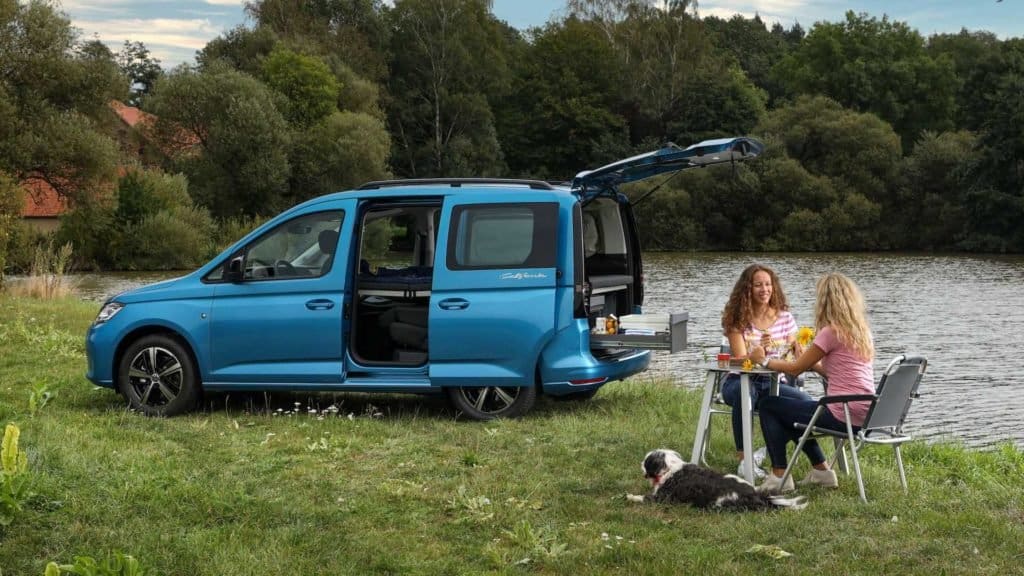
675,481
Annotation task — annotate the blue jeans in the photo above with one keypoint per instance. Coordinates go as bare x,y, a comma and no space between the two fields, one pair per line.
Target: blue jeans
760,385
779,413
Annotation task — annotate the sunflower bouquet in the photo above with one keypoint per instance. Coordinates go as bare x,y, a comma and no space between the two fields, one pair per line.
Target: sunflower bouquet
804,336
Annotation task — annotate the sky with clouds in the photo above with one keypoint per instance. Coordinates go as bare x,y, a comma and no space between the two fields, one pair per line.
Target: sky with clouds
174,30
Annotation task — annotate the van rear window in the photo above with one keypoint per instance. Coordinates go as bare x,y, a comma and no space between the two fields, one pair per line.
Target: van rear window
484,236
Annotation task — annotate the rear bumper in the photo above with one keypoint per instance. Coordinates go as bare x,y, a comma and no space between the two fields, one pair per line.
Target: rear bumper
568,365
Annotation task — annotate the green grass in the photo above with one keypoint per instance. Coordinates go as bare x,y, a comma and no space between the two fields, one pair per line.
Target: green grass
403,487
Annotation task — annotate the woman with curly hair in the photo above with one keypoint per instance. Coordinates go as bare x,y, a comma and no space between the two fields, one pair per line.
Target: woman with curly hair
845,350
757,314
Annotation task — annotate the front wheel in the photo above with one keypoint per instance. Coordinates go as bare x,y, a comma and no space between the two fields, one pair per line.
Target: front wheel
490,402
157,376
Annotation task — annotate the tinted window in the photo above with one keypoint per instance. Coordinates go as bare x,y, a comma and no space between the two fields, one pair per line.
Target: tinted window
303,247
503,236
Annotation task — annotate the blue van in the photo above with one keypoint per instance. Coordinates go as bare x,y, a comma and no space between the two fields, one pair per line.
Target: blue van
485,289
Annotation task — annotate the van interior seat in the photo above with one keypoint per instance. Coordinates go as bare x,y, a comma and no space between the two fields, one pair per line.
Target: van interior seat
407,326
328,243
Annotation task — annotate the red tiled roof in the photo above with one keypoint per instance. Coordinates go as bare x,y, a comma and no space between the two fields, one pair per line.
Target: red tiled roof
144,122
131,115
41,200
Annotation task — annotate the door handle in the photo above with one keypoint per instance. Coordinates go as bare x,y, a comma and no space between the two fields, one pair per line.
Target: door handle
453,304
320,304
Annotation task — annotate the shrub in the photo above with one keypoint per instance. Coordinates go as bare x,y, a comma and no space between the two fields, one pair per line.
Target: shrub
174,239
11,201
47,275
90,230
230,230
22,241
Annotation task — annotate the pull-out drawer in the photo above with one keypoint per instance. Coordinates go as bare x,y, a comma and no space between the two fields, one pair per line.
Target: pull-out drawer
669,333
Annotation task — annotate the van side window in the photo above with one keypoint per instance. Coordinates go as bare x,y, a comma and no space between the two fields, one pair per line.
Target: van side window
300,248
484,236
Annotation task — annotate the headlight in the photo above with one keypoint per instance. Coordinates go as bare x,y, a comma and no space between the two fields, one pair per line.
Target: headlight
108,311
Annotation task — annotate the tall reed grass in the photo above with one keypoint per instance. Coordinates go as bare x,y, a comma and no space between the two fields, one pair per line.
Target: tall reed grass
47,277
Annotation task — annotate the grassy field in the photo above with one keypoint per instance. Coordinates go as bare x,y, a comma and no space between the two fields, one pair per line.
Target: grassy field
399,485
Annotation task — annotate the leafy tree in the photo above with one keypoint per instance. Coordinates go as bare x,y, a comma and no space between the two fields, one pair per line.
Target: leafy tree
306,81
996,200
50,89
241,48
342,151
141,69
793,201
87,227
859,151
673,84
752,46
792,37
969,52
718,103
661,52
560,116
934,180
156,225
353,30
448,66
355,93
858,154
877,66
227,136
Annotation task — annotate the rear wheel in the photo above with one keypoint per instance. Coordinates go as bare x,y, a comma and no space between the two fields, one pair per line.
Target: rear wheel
157,376
490,402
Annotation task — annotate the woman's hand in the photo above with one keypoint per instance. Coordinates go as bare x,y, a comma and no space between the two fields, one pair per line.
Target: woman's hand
757,355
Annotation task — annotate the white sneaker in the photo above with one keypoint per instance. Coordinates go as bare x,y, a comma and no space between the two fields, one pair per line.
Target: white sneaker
824,478
759,455
773,485
759,472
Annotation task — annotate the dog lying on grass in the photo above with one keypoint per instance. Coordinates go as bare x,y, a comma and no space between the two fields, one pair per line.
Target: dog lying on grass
673,480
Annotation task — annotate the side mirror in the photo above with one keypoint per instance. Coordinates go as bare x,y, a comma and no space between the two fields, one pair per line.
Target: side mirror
235,272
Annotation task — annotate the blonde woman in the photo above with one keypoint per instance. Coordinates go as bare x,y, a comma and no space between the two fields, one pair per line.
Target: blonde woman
844,347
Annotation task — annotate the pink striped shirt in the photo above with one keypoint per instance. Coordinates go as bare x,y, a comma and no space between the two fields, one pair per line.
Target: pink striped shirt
782,332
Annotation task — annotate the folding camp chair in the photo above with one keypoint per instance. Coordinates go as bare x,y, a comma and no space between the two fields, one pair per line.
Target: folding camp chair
890,403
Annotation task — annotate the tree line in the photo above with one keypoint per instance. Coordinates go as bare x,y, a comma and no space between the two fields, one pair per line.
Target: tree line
878,138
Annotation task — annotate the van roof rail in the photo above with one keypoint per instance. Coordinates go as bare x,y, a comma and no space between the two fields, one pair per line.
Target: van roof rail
455,182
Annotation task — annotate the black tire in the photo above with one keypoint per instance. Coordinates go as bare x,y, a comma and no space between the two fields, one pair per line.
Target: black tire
576,396
157,376
490,402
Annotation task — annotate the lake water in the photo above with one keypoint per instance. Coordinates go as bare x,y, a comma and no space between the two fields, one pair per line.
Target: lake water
963,313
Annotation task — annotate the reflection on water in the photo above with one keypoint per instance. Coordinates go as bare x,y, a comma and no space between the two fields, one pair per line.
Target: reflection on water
99,287
962,312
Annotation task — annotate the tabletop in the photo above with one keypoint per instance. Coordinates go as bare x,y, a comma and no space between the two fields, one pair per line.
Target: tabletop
756,369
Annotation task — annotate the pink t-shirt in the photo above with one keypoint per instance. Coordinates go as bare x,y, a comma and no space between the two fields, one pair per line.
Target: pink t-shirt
847,373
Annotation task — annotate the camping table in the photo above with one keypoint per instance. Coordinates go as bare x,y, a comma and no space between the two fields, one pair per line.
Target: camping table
713,373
